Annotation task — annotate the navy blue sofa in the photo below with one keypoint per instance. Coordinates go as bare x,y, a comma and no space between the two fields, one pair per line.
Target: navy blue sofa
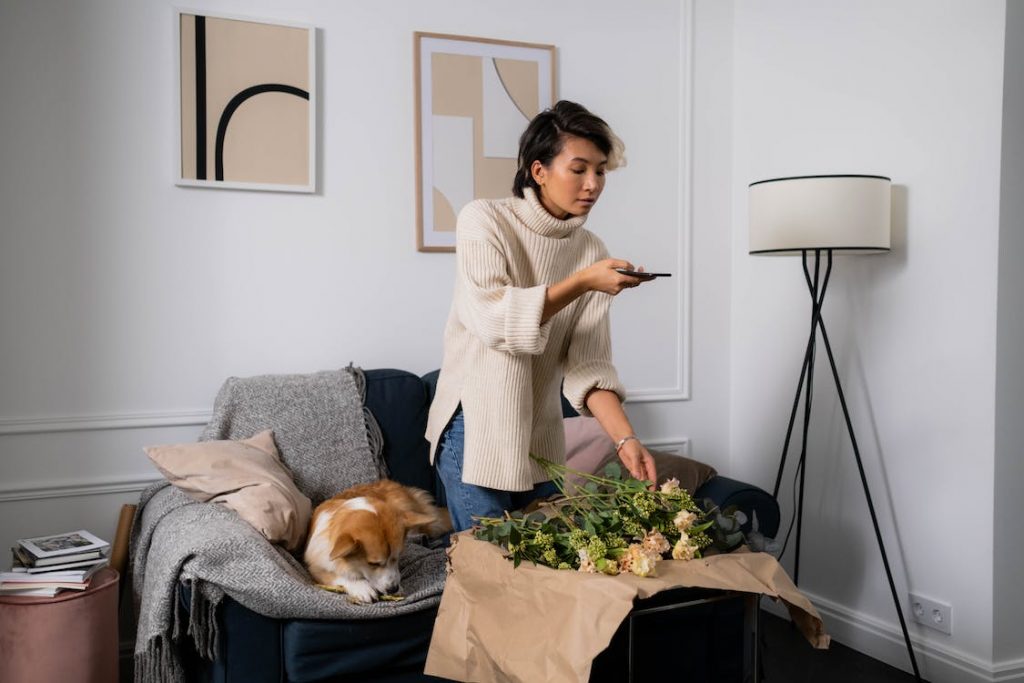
253,648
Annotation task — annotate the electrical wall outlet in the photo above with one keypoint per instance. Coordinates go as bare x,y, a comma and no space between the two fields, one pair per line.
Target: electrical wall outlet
932,613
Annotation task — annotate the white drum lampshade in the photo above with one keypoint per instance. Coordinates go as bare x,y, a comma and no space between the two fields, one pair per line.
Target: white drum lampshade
838,212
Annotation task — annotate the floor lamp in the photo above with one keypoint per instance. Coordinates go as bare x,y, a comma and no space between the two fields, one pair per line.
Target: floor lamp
813,217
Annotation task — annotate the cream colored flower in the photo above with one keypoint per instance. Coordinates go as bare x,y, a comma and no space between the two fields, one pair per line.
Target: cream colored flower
684,520
586,564
655,542
607,566
670,485
683,549
642,562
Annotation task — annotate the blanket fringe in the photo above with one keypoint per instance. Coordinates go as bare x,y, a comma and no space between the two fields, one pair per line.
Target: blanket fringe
158,663
373,432
202,621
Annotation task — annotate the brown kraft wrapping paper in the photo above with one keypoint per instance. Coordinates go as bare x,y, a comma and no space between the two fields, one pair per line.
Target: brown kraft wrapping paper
497,622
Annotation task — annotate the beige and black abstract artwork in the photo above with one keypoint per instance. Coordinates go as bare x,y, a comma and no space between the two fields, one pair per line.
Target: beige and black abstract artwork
476,98
246,104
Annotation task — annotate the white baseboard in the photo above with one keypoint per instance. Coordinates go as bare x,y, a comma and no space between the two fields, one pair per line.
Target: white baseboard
883,641
1010,671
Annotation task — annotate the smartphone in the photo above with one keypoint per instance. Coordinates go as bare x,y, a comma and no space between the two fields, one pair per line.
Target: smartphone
641,273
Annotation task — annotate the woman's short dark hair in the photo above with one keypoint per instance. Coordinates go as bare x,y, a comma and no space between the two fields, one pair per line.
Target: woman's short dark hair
544,138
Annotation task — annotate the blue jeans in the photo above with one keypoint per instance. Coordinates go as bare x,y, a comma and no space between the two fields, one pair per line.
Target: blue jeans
466,501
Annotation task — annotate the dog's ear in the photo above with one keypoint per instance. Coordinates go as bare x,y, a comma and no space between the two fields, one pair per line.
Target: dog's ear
415,518
344,545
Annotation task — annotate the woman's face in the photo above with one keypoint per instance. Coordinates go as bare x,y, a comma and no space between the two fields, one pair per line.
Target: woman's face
572,182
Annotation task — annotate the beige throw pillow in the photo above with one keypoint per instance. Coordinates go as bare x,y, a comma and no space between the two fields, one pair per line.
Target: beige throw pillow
246,476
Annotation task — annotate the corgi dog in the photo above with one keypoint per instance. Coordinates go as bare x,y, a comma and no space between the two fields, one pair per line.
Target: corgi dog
355,537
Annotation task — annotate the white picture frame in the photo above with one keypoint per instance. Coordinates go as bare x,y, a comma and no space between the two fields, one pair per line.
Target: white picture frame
474,97
246,102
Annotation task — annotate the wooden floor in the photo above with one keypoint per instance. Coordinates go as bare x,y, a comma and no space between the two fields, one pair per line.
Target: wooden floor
788,658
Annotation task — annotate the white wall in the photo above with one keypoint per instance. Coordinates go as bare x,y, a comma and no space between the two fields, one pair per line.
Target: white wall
125,301
911,90
1008,598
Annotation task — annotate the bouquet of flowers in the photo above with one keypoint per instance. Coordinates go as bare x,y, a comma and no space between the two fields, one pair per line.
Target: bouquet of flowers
610,524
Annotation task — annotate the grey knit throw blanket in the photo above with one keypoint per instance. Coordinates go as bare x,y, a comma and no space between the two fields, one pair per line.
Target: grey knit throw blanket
321,431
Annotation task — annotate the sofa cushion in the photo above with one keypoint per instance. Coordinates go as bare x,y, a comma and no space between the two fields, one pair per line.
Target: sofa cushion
389,649
246,476
587,446
399,401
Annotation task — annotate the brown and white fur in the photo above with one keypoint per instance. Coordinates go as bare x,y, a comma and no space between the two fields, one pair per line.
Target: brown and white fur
355,537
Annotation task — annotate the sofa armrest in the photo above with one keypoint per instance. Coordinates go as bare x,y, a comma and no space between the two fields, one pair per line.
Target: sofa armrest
248,645
750,499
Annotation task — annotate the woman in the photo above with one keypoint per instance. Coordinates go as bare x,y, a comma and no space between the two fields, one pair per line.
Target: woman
530,309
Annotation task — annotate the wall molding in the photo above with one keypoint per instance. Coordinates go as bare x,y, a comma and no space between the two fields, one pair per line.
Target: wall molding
95,486
883,640
188,418
89,423
679,445
680,390
1009,671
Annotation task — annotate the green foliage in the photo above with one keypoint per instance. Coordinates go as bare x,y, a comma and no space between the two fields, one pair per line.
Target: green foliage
601,518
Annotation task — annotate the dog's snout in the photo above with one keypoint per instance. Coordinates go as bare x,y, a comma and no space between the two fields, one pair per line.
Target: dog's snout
393,588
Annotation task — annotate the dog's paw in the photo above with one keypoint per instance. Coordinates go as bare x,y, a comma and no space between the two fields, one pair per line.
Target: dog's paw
360,592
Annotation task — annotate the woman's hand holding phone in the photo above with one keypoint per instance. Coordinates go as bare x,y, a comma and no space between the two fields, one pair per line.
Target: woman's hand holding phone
611,276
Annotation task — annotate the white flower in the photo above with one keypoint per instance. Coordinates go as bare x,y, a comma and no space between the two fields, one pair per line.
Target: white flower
684,520
655,542
586,564
683,549
670,485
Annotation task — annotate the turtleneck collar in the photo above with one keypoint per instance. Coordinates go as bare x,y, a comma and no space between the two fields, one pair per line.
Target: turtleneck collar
533,214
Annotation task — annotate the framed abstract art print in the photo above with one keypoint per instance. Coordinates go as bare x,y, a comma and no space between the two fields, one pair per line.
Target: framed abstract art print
474,98
246,103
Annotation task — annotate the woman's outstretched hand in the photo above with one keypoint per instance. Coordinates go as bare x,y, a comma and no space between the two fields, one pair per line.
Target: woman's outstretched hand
603,277
638,461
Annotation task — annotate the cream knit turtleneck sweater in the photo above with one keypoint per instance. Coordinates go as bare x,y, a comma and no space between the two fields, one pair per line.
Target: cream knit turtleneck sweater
499,361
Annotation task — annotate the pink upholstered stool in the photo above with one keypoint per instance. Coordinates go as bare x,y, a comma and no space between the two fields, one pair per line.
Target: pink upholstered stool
69,638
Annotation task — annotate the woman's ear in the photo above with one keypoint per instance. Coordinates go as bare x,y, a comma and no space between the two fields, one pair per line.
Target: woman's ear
538,172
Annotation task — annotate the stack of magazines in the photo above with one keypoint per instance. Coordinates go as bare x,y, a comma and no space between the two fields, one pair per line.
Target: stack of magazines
47,565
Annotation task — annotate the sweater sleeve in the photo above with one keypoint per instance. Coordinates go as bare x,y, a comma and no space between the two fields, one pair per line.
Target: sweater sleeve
589,358
502,316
